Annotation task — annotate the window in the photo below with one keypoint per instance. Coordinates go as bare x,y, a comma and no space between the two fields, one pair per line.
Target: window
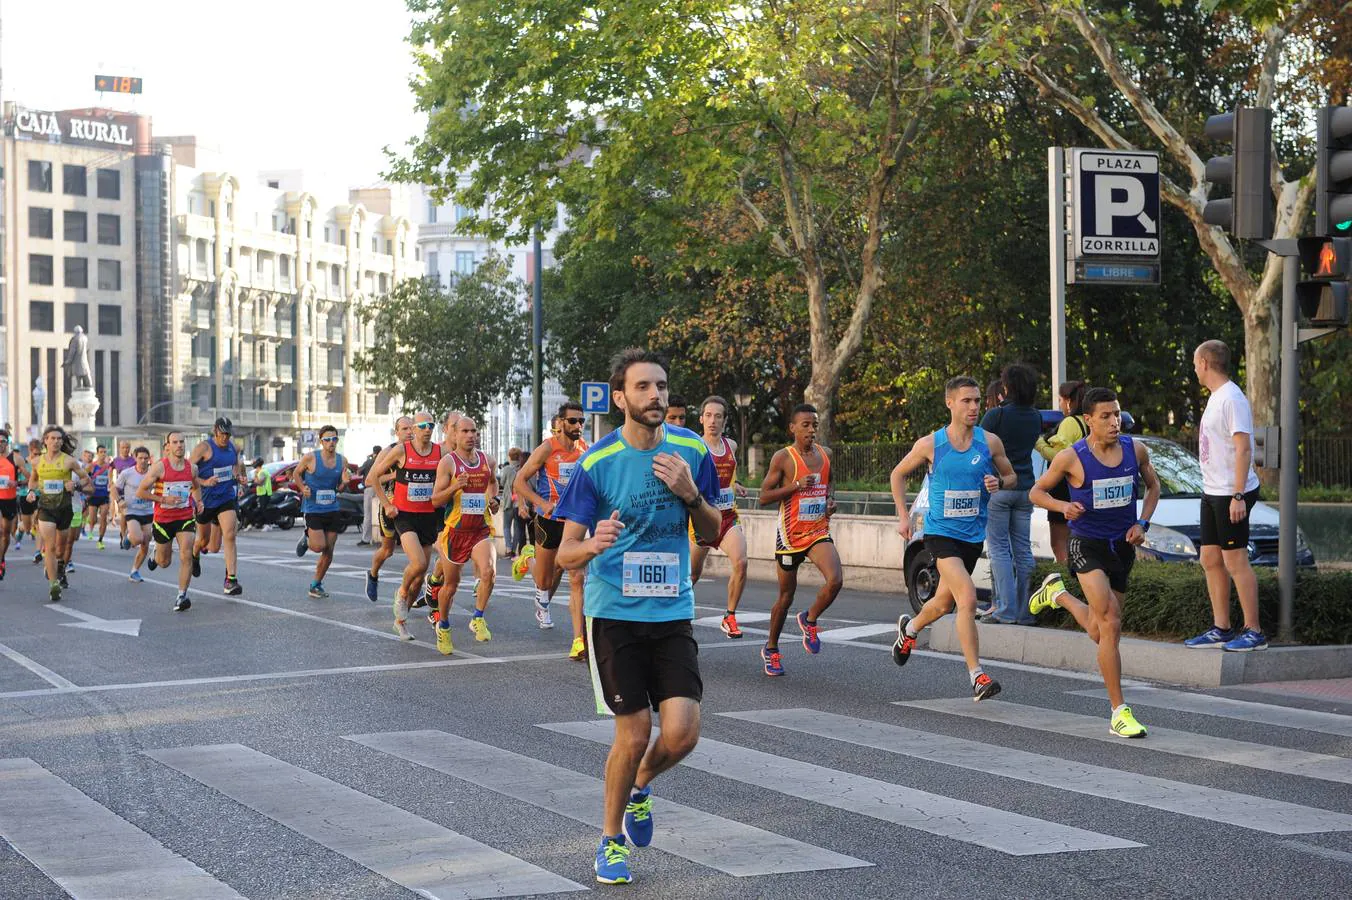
110,319
39,268
110,184
77,314
375,244
461,212
275,185
110,229
259,263
40,176
76,272
41,315
39,222
431,212
464,262
342,236
284,266
110,275
432,264
384,283
74,181
389,247
75,226
336,276
201,252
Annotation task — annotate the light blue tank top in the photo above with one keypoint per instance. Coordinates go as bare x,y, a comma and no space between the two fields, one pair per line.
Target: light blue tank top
957,492
323,484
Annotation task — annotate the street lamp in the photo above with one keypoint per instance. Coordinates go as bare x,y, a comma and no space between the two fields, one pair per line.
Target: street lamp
742,397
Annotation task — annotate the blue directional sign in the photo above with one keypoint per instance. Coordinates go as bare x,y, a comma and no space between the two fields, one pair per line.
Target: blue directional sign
595,398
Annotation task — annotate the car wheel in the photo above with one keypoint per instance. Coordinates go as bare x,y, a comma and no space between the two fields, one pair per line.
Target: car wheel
286,523
922,579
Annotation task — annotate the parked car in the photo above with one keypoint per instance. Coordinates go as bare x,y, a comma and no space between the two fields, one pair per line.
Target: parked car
281,474
1175,528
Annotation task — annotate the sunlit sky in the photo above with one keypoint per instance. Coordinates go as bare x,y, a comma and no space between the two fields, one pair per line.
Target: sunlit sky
294,84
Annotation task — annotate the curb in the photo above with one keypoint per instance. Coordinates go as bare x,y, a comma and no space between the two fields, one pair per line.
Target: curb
1150,660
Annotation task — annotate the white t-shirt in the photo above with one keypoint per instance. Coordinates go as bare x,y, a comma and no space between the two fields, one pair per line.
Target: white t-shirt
1227,414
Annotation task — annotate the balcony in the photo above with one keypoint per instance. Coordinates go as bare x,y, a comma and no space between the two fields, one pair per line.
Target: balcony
199,367
267,328
286,374
263,373
202,319
285,329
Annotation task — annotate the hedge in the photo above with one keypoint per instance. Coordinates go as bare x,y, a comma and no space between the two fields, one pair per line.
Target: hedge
1169,601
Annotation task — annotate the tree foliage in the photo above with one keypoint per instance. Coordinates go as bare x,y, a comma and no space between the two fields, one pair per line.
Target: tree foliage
442,349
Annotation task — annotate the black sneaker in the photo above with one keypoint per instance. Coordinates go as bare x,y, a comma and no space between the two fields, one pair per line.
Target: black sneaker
196,565
150,563
181,602
302,545
904,644
985,688
62,578
232,587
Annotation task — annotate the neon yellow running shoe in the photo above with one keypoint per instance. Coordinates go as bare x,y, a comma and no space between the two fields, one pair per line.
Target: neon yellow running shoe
1124,724
480,629
1044,598
578,652
444,645
521,565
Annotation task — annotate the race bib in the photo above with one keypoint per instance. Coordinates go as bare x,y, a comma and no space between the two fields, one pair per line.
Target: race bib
53,486
812,509
1114,493
566,471
101,481
180,489
5,483
473,504
652,575
962,504
326,498
223,473
726,499
420,493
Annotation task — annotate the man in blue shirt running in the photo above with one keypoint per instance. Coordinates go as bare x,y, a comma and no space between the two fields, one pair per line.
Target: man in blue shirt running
639,490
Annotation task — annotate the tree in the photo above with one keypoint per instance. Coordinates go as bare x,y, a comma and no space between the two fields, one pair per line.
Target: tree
800,118
1250,49
440,350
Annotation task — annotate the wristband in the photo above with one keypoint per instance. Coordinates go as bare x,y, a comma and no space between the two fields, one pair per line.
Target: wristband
1144,523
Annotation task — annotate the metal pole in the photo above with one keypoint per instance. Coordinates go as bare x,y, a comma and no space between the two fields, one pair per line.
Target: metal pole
537,345
1289,453
1056,230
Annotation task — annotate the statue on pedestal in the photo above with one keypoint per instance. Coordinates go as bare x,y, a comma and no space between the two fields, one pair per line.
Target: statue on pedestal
77,361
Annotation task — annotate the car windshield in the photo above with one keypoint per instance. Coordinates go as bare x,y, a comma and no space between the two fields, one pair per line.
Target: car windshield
1179,471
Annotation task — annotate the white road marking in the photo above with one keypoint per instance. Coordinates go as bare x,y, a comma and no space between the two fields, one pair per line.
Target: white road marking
722,844
1197,801
37,669
984,826
91,852
129,627
407,849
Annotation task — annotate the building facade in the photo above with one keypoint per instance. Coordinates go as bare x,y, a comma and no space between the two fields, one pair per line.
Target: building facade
70,259
264,323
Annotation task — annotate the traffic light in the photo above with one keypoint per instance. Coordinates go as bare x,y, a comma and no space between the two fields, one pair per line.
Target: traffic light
1333,172
1267,447
1249,211
1327,264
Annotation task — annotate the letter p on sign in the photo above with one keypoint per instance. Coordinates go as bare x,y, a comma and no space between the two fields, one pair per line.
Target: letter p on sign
595,398
1119,196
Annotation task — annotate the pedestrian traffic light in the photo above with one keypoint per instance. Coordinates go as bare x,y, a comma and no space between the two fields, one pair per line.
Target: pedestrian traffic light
1249,211
1267,447
1333,172
1327,264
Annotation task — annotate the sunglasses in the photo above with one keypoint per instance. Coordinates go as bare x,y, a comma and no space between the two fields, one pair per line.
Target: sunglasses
422,425
329,440
575,420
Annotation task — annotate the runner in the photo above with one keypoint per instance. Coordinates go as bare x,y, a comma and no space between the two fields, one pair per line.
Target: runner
319,476
961,458
403,432
121,463
432,583
219,473
416,520
542,481
28,506
1104,531
1229,491
99,505
799,481
676,410
638,490
731,539
51,482
170,483
78,499
467,485
137,515
13,471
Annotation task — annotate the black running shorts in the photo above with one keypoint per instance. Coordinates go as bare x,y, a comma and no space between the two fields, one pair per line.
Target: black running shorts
211,514
635,665
425,525
1216,525
165,531
1113,558
548,533
942,547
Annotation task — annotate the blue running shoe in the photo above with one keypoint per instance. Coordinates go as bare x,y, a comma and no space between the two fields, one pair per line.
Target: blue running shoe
638,818
811,643
1211,639
135,576
371,585
612,861
1246,641
774,664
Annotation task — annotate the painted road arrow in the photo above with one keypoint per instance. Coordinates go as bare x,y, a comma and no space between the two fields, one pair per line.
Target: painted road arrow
130,627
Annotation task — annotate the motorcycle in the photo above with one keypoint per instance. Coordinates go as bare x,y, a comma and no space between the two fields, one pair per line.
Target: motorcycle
280,508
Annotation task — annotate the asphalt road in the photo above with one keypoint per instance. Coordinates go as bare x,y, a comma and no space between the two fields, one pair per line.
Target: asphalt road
274,746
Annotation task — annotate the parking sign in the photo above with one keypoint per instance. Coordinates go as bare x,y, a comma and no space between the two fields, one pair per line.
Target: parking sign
595,398
1116,204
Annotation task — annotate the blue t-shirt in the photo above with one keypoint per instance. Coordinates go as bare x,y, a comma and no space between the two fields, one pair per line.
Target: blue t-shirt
645,575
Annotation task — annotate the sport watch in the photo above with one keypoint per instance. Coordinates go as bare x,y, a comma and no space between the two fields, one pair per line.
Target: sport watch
1144,523
1237,496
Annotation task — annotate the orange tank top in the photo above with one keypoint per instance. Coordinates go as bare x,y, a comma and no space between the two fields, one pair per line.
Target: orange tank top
558,469
9,478
802,517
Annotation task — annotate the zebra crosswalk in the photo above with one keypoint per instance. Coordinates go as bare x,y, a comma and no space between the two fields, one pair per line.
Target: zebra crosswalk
93,853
